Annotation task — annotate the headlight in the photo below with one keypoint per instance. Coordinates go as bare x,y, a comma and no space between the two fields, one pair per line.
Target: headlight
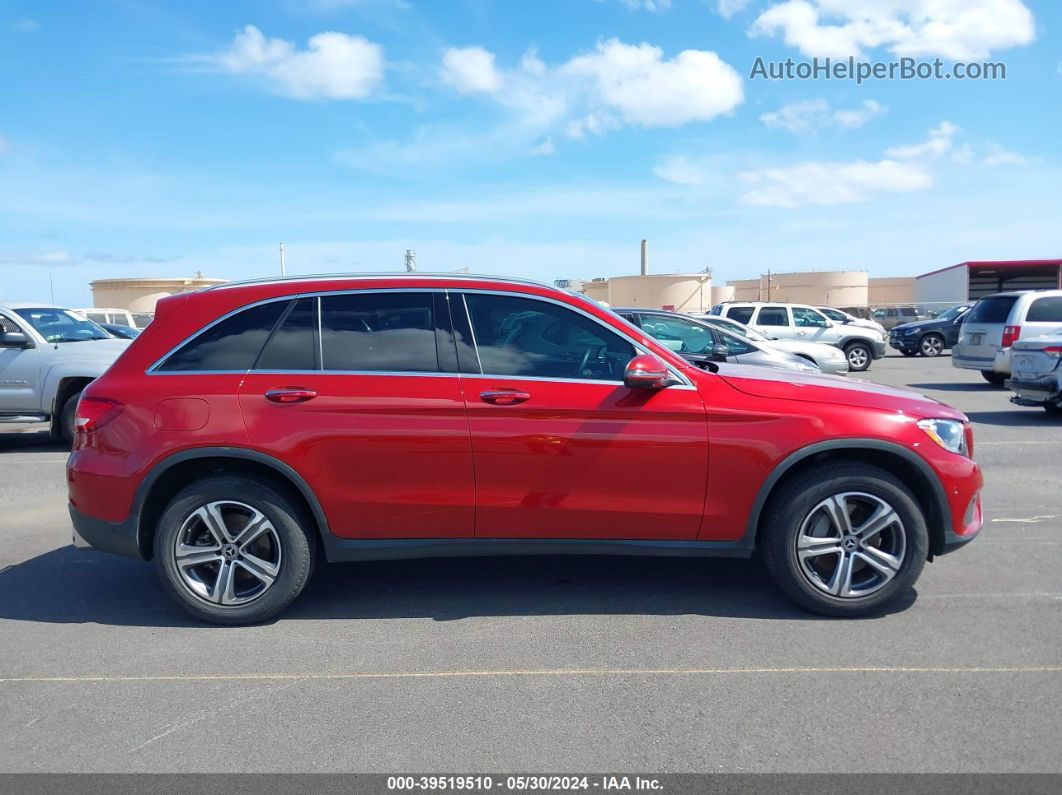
949,434
911,331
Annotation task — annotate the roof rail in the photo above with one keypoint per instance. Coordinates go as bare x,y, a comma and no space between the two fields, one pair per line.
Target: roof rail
312,277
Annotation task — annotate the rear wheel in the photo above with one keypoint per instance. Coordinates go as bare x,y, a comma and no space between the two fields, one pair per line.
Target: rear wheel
68,415
859,356
994,378
931,345
845,539
1053,408
233,550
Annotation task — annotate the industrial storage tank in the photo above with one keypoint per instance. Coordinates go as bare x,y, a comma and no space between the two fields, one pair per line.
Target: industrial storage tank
892,290
596,290
722,292
141,294
833,288
678,292
746,289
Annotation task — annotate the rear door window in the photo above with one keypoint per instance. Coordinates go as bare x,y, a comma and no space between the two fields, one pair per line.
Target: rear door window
230,345
773,316
805,318
293,344
992,310
379,332
1045,310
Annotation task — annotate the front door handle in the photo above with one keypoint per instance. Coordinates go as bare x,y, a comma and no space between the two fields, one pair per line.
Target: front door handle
504,397
290,394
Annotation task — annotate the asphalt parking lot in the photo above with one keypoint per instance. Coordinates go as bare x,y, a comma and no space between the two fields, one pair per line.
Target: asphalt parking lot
539,664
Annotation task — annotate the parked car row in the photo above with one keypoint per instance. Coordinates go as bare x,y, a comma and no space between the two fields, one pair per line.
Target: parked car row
861,343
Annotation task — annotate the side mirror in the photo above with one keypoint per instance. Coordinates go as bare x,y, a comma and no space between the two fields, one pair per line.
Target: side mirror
14,339
645,372
720,352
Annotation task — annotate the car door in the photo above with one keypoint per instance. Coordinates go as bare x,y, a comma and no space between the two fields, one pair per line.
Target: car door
359,392
774,322
952,329
20,371
810,325
562,448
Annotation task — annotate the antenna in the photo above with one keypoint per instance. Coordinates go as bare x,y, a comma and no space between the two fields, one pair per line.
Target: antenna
51,286
411,260
283,270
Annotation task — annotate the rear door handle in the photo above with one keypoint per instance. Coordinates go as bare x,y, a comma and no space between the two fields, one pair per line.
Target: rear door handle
290,394
504,397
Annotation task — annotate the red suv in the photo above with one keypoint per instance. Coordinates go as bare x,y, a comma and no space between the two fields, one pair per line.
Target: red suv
253,429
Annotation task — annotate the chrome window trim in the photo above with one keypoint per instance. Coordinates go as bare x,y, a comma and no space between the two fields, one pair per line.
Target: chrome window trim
684,382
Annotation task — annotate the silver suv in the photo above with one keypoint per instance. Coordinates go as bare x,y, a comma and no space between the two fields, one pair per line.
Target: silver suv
47,356
861,345
996,322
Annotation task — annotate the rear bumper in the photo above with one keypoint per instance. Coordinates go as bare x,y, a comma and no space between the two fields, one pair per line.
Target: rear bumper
117,537
1047,390
997,363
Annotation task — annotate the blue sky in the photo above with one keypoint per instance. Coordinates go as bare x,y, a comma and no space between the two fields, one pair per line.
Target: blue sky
543,139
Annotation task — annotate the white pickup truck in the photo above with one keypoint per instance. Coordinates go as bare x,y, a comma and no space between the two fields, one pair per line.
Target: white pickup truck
47,356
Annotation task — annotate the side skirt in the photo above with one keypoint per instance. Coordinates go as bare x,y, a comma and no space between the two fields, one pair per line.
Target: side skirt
351,549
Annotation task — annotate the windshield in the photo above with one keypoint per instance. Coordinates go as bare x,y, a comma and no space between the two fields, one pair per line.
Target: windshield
951,314
62,325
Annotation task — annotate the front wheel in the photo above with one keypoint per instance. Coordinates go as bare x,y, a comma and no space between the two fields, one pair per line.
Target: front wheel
994,378
232,549
68,417
859,356
1053,408
845,539
931,345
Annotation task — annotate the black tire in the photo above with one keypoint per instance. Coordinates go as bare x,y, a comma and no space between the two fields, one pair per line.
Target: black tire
1053,408
67,415
798,501
291,542
994,378
909,353
931,345
859,356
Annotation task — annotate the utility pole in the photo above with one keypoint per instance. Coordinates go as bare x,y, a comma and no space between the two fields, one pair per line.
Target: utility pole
645,257
411,261
283,270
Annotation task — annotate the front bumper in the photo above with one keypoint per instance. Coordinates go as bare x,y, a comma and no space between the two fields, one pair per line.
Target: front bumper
117,537
879,349
905,343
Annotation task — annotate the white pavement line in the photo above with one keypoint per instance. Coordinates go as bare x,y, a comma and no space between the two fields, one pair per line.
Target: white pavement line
978,443
544,672
1029,595
1027,520
35,460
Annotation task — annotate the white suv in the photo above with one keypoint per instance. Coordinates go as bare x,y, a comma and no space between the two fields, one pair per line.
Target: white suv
861,345
996,321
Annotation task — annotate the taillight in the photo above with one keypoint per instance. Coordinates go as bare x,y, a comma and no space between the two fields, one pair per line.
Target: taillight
93,413
1010,334
1054,350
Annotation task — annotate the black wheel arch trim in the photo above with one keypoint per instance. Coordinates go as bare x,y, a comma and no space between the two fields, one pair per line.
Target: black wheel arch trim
245,453
937,540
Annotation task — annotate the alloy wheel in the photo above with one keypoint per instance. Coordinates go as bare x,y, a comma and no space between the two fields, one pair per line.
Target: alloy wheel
851,545
857,357
227,553
932,345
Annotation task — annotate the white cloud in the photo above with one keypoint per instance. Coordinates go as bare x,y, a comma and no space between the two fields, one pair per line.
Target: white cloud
656,6
684,170
998,156
954,29
860,116
811,115
470,70
25,25
37,257
333,65
940,141
727,8
830,183
546,147
648,90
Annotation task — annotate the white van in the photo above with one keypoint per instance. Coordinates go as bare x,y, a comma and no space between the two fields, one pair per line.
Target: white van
996,321
117,317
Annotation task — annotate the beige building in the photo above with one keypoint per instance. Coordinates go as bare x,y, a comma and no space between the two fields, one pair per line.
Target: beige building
833,288
141,294
679,292
892,290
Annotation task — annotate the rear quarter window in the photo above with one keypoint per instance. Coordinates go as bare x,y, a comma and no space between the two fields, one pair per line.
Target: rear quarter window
742,314
233,344
992,310
1045,310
